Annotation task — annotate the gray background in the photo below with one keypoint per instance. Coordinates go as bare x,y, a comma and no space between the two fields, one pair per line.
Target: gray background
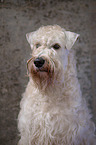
21,16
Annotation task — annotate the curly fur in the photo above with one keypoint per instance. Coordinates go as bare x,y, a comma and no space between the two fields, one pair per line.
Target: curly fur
53,111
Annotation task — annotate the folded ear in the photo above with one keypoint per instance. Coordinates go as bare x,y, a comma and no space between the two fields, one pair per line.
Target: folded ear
29,38
70,39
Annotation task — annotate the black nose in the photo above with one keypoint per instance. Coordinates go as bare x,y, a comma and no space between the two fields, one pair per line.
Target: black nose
39,62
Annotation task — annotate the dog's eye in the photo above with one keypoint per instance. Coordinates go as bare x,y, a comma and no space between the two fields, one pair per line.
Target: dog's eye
38,45
56,46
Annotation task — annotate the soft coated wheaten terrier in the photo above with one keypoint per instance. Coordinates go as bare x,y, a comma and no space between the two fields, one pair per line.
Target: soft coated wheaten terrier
53,111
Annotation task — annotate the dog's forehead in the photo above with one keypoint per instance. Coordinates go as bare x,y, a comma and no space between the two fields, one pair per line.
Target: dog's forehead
50,28
47,34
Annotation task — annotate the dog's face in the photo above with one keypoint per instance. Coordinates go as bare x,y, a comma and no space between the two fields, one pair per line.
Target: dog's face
50,47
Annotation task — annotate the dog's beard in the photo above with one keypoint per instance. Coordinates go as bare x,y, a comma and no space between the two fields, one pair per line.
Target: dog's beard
43,76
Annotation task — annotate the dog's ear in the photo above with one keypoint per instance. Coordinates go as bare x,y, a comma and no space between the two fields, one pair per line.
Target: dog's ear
70,39
29,38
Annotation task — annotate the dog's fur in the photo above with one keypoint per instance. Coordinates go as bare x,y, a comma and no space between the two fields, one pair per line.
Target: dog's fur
53,111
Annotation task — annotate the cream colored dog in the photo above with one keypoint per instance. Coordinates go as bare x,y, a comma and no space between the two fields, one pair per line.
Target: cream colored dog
53,111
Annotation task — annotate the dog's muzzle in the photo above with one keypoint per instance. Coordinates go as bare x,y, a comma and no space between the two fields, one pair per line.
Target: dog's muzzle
39,62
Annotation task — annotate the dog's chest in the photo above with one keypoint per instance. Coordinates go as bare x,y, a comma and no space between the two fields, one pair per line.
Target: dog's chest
40,116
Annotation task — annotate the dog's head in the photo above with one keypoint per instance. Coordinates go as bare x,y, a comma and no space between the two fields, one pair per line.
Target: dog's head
50,47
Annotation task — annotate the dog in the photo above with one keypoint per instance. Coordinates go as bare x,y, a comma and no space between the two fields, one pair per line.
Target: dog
53,111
